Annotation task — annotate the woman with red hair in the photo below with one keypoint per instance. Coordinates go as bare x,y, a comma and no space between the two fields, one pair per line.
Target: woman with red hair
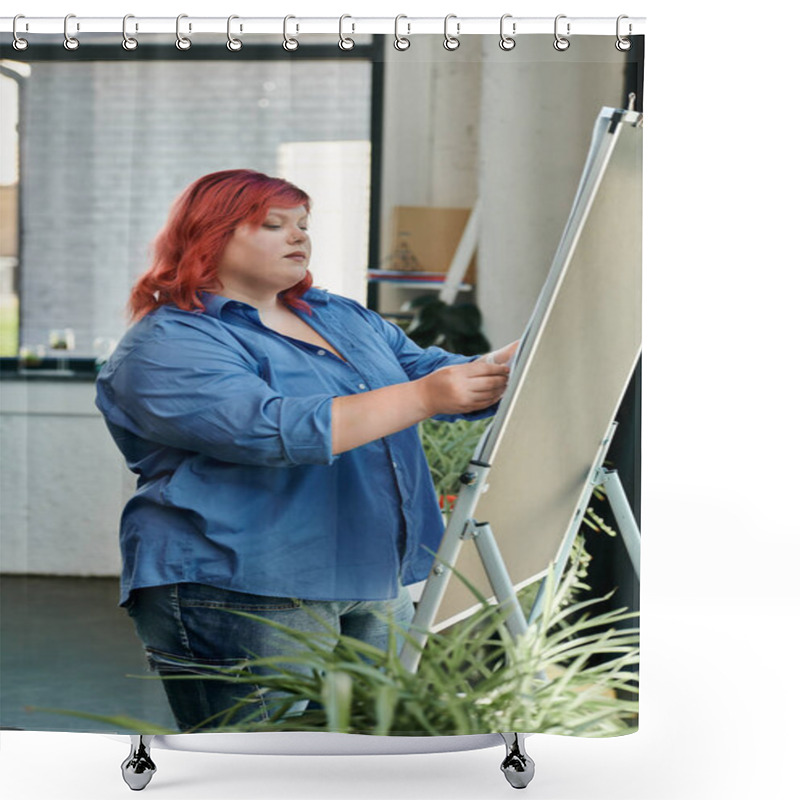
272,427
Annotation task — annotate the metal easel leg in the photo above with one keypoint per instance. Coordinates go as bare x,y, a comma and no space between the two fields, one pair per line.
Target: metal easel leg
518,766
597,476
499,579
138,768
623,515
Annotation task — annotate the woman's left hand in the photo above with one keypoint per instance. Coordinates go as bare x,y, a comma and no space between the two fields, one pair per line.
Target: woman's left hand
504,355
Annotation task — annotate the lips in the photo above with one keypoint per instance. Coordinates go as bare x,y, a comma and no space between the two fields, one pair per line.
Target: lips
298,255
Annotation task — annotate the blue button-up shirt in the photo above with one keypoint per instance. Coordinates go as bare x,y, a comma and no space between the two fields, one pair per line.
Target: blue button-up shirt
227,424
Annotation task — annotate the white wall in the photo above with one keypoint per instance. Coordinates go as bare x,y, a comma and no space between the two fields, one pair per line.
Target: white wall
430,137
538,108
63,482
511,126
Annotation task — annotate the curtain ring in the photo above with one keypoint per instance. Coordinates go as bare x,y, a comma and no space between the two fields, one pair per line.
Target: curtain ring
19,43
70,42
507,42
560,43
345,42
451,42
401,42
623,44
181,41
289,43
128,42
233,44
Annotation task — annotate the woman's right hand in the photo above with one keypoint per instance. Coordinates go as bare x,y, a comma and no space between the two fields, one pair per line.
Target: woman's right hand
457,389
463,388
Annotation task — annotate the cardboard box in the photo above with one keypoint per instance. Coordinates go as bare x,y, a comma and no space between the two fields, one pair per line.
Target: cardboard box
424,239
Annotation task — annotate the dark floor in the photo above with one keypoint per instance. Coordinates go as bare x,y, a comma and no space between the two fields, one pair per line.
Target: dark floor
64,643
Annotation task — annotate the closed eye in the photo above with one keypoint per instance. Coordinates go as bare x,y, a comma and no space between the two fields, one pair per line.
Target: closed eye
278,227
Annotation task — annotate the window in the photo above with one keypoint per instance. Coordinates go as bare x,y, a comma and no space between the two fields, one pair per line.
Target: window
107,145
10,75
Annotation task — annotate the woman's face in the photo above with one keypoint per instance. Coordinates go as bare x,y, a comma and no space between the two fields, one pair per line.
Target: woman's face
269,258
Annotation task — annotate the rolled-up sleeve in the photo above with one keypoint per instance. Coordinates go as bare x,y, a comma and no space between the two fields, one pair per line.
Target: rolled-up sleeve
191,392
417,362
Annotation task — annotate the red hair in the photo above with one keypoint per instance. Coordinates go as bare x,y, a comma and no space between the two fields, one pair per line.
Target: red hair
200,224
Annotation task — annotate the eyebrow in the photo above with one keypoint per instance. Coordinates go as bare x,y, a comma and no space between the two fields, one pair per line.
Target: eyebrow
284,214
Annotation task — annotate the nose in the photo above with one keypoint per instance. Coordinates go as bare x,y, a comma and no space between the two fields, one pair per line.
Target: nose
298,234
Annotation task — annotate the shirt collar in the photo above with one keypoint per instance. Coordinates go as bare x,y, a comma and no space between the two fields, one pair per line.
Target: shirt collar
214,303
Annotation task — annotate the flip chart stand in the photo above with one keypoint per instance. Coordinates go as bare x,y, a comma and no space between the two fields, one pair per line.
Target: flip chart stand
497,573
623,515
481,534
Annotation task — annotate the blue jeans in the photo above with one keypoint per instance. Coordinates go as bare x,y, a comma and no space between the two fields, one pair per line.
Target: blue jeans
187,629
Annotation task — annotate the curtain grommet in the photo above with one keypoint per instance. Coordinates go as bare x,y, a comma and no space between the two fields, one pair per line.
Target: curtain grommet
233,44
290,44
561,43
128,42
345,42
507,42
451,42
19,43
70,42
401,43
182,42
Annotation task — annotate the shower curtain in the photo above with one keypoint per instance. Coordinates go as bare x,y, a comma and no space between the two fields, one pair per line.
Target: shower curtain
419,159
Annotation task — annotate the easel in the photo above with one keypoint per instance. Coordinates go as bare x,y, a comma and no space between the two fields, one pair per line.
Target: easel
518,766
481,534
464,524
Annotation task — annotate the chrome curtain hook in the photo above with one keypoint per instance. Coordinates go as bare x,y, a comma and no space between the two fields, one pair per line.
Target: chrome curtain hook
128,42
181,41
233,44
70,42
19,43
623,43
401,42
345,42
451,42
289,43
507,42
560,43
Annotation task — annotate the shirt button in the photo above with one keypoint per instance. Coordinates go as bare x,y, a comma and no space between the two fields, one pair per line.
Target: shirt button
320,352
362,385
394,464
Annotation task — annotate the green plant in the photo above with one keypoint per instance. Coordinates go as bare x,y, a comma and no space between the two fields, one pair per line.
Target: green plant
448,448
456,328
472,678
